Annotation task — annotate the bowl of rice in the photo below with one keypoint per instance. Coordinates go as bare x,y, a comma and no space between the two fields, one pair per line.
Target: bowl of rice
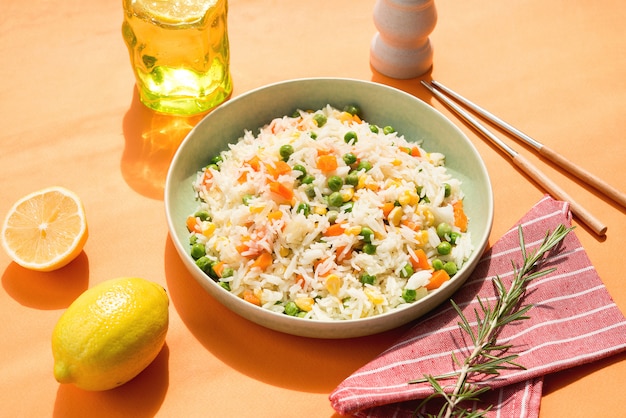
328,208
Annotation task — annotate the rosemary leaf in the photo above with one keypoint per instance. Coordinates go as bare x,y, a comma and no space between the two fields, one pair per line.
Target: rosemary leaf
488,357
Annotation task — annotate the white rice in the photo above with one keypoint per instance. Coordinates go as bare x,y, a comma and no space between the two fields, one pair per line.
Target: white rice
246,219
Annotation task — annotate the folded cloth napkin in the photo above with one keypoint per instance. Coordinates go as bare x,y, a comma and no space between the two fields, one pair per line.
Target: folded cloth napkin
573,321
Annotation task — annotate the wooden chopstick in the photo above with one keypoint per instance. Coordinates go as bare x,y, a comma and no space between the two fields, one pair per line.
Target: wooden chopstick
525,165
553,156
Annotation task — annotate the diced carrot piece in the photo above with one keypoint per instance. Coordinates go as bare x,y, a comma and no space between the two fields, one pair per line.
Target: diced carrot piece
438,278
460,218
279,168
387,207
415,152
327,163
218,268
255,163
263,261
343,254
192,224
420,261
249,296
243,178
281,190
334,230
411,225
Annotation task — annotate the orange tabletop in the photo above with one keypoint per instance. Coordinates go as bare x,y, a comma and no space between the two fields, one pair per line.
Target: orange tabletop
70,117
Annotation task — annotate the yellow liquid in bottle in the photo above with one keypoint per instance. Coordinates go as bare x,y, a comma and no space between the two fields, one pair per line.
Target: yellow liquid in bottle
179,52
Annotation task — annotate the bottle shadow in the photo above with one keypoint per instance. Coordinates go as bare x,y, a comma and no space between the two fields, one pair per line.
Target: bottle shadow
151,140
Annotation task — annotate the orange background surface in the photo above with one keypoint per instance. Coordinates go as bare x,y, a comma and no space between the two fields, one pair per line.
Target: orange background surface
70,116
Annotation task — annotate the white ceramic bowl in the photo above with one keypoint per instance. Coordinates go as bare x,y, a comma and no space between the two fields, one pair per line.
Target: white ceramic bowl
381,105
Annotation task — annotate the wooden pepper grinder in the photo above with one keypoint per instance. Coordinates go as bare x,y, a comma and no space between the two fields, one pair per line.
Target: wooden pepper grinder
401,49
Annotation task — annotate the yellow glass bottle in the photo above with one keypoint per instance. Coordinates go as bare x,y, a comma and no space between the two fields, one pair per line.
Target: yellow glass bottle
179,52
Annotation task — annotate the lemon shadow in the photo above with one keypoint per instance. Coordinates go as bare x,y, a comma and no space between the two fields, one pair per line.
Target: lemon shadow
292,362
139,398
151,140
47,290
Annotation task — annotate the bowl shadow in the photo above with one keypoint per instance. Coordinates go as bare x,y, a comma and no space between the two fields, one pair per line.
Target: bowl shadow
242,344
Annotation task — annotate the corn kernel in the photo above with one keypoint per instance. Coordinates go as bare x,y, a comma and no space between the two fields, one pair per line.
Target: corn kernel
256,209
396,162
421,237
395,216
374,296
333,284
429,218
305,304
361,183
404,198
353,230
347,194
320,210
284,251
208,229
345,117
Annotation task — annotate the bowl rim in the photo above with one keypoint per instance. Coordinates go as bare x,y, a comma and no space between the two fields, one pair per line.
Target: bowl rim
316,328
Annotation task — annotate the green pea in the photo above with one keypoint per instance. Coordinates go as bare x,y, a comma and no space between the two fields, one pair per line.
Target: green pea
332,216
351,109
366,233
335,199
409,295
437,264
310,191
225,285
203,215
285,151
291,309
450,268
228,272
307,179
198,250
369,249
447,190
352,178
444,248
374,129
364,165
320,119
407,271
388,130
217,159
350,137
313,135
246,199
335,183
347,207
367,279
301,169
303,208
213,167
453,237
193,239
204,263
349,158
444,230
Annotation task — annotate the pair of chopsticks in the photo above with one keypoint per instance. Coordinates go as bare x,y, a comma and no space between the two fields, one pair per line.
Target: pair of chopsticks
438,90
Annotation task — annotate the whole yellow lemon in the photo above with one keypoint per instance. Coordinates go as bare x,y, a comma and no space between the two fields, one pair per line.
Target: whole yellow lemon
110,333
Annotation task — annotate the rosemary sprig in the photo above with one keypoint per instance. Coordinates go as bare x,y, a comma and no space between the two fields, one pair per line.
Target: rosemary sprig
488,357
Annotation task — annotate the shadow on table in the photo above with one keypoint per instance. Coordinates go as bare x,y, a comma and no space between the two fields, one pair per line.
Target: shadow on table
47,290
140,398
151,141
297,363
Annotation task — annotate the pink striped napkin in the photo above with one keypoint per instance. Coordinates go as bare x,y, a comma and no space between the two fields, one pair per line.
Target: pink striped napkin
573,321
